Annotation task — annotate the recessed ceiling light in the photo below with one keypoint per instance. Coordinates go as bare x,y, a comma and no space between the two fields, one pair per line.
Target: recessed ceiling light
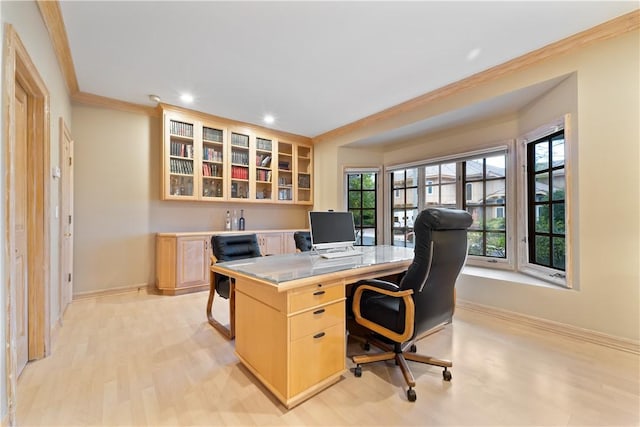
185,97
268,119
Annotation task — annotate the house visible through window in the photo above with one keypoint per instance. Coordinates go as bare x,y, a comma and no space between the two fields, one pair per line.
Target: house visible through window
404,206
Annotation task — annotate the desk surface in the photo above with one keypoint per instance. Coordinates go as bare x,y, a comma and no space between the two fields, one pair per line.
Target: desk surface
280,270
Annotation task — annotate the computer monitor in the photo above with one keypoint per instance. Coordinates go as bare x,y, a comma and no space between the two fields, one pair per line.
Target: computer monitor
331,230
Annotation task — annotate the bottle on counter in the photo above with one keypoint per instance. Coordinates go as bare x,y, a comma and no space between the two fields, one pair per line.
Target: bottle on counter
241,220
234,221
227,222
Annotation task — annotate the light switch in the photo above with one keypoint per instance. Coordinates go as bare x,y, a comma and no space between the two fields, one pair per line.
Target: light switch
55,172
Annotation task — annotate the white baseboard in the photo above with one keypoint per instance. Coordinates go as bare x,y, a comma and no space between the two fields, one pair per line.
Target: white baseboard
587,335
145,287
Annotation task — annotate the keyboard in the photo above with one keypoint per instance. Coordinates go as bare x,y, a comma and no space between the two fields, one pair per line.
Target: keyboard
341,254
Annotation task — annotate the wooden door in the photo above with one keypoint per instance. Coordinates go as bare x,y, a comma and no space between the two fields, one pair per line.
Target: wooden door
66,218
21,247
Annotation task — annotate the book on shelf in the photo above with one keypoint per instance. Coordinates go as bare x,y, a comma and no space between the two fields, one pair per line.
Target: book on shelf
263,144
239,140
181,129
211,134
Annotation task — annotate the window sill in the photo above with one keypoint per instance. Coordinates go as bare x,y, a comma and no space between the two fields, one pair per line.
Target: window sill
507,276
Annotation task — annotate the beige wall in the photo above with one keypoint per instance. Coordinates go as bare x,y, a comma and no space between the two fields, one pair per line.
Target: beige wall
27,22
117,201
603,97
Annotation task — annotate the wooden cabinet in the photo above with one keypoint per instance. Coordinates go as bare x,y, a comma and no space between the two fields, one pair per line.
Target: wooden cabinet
183,259
295,340
208,161
182,263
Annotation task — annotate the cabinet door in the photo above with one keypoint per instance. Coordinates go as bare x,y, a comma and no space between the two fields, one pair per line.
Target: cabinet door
285,171
270,243
193,261
240,169
264,160
304,175
213,185
180,159
288,244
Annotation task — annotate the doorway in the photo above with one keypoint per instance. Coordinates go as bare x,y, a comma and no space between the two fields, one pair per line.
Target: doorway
27,223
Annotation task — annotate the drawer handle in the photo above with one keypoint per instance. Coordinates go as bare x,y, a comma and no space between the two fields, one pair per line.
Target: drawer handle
320,335
318,293
319,311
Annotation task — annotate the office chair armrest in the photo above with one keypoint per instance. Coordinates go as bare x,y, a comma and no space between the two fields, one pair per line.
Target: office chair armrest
409,311
379,284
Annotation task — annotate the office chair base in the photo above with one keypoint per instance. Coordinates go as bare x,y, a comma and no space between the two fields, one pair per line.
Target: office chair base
401,357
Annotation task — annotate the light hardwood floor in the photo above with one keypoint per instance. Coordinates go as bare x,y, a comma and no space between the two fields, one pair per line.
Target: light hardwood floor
138,359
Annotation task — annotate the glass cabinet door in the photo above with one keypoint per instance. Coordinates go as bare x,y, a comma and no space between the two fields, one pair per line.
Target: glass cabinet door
285,171
181,170
304,172
239,166
264,169
212,163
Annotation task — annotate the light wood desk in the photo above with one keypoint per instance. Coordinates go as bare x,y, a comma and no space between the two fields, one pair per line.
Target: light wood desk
290,315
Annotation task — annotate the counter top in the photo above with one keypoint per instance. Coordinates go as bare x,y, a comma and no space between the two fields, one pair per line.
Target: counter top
216,232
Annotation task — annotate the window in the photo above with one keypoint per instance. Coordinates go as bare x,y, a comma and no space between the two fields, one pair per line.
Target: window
485,187
546,201
362,201
404,206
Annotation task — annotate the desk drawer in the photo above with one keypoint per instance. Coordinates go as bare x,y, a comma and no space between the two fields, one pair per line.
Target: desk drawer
316,357
314,320
312,296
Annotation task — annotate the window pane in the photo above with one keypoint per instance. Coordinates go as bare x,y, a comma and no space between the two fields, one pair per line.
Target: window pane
557,150
496,166
368,236
369,181
542,187
448,173
495,218
474,192
432,195
354,182
432,173
542,250
354,199
475,242
368,217
558,218
558,184
496,191
558,252
542,218
400,218
448,195
412,198
412,177
356,217
398,237
398,179
476,214
369,199
496,245
541,156
398,198
474,170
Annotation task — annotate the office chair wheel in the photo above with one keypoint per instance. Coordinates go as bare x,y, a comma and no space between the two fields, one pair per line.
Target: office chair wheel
413,348
446,375
357,371
366,346
411,395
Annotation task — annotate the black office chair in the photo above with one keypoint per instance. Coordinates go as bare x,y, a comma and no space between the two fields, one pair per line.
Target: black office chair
303,240
396,316
229,248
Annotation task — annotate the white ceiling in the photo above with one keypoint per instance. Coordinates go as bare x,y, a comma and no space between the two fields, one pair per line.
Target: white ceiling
315,66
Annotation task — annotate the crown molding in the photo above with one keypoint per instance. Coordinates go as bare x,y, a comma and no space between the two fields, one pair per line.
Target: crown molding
615,27
52,16
114,104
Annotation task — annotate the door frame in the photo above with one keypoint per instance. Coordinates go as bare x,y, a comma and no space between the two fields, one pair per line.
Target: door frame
66,197
18,66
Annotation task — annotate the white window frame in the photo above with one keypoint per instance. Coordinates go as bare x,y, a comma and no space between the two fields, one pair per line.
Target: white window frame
556,277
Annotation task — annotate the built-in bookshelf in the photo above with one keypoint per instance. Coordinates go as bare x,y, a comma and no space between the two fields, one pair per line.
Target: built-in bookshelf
208,160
